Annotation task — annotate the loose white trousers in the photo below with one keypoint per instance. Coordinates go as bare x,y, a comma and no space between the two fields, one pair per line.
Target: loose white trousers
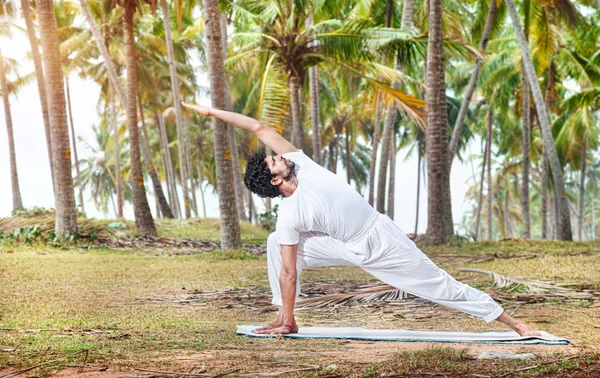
389,255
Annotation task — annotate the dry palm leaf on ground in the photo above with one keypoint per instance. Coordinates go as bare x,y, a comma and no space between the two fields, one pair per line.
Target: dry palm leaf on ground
534,290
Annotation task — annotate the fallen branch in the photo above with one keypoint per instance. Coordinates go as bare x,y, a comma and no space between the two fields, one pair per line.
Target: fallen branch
10,375
535,366
224,374
197,374
278,373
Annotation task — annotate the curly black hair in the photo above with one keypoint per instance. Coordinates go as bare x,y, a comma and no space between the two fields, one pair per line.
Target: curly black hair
258,177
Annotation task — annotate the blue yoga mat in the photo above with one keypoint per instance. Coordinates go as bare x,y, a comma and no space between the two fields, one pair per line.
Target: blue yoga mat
407,335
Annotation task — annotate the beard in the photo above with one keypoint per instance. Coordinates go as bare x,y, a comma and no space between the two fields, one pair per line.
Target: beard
290,169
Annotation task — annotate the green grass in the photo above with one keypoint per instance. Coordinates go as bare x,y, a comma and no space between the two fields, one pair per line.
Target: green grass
65,291
206,229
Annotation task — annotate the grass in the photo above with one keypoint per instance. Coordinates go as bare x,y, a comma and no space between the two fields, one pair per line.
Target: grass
68,293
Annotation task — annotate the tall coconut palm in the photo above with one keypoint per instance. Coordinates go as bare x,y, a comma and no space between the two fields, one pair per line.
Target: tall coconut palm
231,135
141,209
563,214
65,16
178,114
161,200
388,136
39,73
439,221
485,36
14,176
278,30
66,213
230,226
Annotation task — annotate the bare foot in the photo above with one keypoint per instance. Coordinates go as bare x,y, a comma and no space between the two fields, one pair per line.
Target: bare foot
277,328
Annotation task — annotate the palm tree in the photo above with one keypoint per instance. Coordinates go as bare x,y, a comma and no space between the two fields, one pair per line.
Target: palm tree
178,114
231,135
388,136
230,227
161,200
141,209
485,36
65,15
66,213
563,216
439,220
39,73
14,176
102,47
291,47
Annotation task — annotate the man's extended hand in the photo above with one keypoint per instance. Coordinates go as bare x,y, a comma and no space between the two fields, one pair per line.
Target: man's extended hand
200,109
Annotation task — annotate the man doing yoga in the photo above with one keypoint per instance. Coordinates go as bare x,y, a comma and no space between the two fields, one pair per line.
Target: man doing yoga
323,221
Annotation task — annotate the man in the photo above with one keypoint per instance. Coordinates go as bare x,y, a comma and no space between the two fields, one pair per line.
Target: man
323,221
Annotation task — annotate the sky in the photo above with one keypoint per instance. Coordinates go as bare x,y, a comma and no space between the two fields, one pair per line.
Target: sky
34,169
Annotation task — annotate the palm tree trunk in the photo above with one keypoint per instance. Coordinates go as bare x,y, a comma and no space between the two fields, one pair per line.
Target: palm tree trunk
545,233
392,182
331,156
190,167
14,177
419,147
268,152
39,74
177,104
489,173
593,219
480,200
439,220
582,191
168,164
118,180
390,116
507,233
101,43
65,211
388,135
161,200
297,130
564,218
238,185
376,137
313,88
553,211
464,107
348,168
251,210
68,89
526,160
141,209
200,180
376,126
337,152
230,226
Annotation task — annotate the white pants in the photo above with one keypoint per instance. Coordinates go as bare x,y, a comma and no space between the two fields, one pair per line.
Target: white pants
389,255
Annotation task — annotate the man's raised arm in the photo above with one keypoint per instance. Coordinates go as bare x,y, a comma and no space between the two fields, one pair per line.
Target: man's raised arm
267,135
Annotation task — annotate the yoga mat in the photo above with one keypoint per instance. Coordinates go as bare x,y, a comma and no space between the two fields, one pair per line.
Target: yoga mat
407,335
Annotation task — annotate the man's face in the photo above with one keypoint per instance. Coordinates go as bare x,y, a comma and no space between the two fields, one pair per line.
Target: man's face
280,167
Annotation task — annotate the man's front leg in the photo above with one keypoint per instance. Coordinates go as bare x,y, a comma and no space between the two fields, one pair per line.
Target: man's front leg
520,327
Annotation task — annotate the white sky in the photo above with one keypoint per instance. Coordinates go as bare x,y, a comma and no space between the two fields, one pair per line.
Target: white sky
34,169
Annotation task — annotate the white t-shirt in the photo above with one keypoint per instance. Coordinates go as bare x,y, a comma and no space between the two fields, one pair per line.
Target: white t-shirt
322,202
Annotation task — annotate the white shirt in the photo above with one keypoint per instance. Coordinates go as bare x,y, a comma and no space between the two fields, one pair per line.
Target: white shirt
322,202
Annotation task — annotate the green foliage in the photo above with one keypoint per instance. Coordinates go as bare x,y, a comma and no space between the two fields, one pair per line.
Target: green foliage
268,219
